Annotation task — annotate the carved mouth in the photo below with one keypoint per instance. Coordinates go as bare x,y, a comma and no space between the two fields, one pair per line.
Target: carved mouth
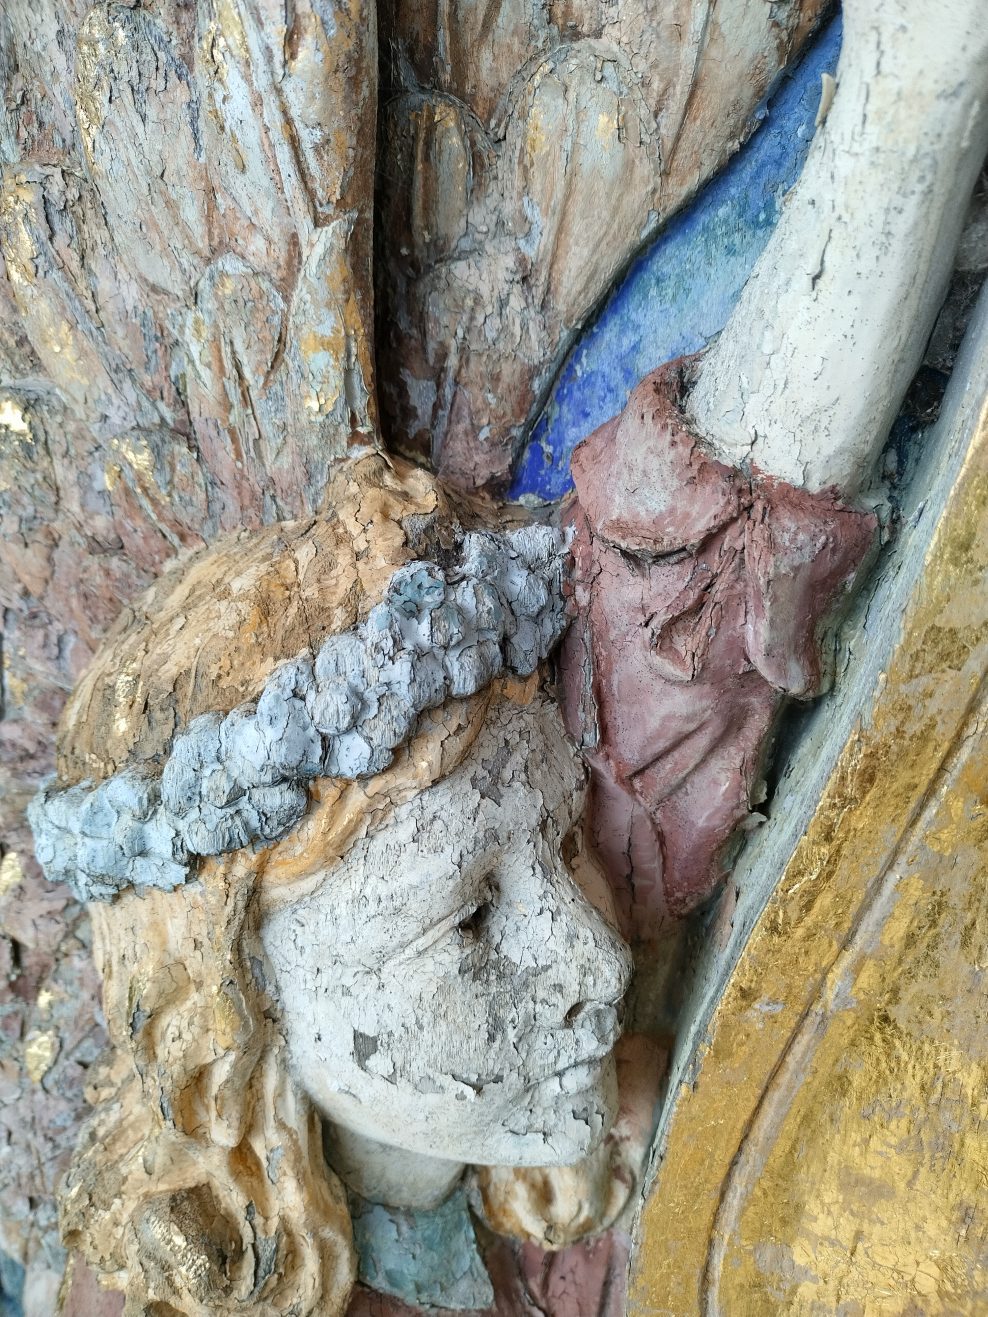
588,1038
582,1075
585,1069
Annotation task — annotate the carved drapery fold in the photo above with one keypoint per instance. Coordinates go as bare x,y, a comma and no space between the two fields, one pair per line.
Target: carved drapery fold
701,594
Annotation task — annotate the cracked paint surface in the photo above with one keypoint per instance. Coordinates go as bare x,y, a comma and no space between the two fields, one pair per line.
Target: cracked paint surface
464,1002
235,779
679,292
527,153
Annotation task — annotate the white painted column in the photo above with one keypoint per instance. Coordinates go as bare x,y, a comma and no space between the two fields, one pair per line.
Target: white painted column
810,371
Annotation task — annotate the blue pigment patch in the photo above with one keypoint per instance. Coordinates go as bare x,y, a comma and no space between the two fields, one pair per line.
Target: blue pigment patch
680,292
425,1258
11,1287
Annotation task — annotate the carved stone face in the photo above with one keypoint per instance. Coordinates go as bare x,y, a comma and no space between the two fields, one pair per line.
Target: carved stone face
448,989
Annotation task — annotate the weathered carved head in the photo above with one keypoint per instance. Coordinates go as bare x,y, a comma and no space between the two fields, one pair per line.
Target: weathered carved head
447,989
316,904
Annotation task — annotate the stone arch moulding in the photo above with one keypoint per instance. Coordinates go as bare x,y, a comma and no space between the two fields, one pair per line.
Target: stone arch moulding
816,1149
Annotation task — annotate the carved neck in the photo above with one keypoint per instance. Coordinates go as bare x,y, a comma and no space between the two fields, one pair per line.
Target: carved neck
383,1174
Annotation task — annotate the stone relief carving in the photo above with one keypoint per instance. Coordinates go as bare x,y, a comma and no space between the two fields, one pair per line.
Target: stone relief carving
186,348
723,515
238,778
470,1013
503,130
701,594
316,784
403,952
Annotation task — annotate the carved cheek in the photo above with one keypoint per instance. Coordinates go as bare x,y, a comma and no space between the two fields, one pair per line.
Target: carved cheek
463,1024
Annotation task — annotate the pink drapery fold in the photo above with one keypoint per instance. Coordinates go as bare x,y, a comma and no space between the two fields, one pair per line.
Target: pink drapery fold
699,593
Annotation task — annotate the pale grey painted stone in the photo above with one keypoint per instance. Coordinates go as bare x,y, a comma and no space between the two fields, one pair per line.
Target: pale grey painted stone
810,371
449,992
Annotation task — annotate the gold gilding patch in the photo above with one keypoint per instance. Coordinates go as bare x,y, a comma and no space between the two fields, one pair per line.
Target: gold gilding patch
828,1155
227,1021
13,419
11,873
40,1051
867,1183
136,455
232,27
607,128
538,129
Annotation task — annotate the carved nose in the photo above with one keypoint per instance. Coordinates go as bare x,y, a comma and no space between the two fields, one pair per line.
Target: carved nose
597,957
601,1022
602,959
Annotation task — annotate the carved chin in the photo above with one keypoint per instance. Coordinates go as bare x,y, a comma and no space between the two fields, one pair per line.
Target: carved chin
565,1117
555,1122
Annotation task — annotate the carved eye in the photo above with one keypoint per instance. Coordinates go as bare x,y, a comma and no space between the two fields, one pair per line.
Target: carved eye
472,927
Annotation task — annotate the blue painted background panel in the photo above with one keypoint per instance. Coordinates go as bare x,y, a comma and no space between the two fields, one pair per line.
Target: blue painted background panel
680,292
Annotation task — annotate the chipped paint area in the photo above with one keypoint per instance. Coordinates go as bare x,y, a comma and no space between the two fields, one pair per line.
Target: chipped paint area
239,779
11,873
13,418
40,1052
680,292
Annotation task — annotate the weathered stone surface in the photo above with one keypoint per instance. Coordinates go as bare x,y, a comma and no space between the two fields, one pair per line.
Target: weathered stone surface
554,1208
51,1035
454,945
184,278
161,204
419,935
811,369
83,1297
527,154
680,290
